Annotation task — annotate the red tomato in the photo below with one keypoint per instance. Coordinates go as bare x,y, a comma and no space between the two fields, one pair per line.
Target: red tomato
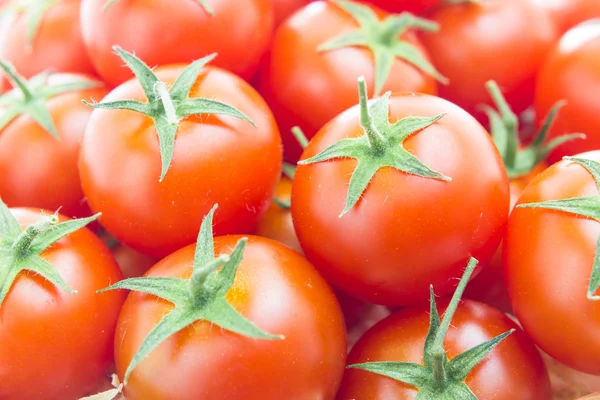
132,263
285,8
380,251
413,6
515,366
39,170
568,13
176,31
223,158
304,86
56,345
572,73
503,40
57,44
276,289
548,258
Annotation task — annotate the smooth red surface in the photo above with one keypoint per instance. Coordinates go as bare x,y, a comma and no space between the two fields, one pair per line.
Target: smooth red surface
513,370
413,6
55,345
548,258
164,32
382,250
276,289
217,159
308,88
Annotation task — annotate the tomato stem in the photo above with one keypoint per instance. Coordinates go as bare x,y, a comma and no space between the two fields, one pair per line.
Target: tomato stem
510,121
300,137
23,242
199,275
376,140
438,369
167,102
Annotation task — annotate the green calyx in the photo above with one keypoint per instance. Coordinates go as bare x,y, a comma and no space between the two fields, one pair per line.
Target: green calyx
34,11
588,207
381,146
439,378
504,124
168,107
202,3
199,298
30,97
20,249
383,39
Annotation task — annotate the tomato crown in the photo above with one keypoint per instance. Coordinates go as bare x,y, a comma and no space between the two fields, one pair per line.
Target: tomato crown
438,377
168,107
382,38
588,207
29,97
201,297
20,249
381,146
520,160
203,3
34,11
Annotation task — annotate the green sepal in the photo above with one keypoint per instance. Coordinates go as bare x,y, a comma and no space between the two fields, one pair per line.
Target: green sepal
201,297
30,97
439,378
382,38
381,146
167,107
587,207
33,11
520,160
203,3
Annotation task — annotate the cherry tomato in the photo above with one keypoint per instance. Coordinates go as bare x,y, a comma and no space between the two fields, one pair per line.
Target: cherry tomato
568,13
276,289
572,73
132,263
56,345
471,48
413,6
176,31
514,366
285,8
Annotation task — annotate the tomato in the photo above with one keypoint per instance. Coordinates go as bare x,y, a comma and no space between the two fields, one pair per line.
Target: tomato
413,6
568,13
572,73
132,263
379,250
39,170
224,158
548,258
470,49
514,366
57,44
176,31
304,86
53,344
285,8
276,289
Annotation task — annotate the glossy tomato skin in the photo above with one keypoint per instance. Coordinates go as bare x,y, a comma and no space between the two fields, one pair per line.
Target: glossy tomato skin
413,6
568,13
285,8
38,170
514,367
239,31
58,45
381,250
55,345
304,87
217,159
572,73
276,289
470,49
548,258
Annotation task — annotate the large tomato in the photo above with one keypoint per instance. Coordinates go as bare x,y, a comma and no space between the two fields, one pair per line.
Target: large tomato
471,49
303,84
572,73
56,345
413,6
176,31
568,13
548,258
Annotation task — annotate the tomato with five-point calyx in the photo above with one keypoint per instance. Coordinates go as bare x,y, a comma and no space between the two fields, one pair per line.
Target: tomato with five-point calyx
413,6
371,199
145,169
301,78
176,31
56,333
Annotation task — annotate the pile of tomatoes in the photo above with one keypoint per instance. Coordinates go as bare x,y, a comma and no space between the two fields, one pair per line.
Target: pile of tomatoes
294,199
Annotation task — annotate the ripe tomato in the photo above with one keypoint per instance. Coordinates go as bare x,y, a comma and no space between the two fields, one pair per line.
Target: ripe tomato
278,291
39,170
57,44
568,13
470,49
285,8
176,31
572,73
53,344
514,366
304,86
548,258
413,6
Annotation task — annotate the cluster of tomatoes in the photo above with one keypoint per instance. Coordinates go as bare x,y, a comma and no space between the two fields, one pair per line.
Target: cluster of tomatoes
183,182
